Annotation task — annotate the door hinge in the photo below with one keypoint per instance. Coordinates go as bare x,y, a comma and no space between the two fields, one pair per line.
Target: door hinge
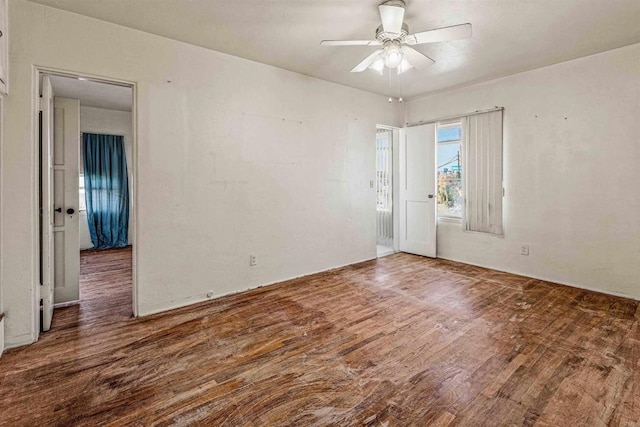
40,103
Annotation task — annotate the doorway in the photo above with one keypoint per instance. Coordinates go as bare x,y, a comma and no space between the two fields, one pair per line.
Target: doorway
384,191
86,130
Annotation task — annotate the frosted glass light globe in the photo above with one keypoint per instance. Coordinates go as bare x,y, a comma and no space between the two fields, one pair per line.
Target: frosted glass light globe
393,56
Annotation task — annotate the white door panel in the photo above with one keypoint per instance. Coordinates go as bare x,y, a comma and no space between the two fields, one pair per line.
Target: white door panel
416,212
47,259
417,191
66,223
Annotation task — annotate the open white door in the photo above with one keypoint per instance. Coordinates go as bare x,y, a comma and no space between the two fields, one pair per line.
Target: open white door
47,257
66,238
417,190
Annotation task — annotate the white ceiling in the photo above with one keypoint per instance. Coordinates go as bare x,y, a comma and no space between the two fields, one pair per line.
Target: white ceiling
93,94
509,36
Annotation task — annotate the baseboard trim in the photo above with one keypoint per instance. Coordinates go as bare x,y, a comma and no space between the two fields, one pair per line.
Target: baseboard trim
387,253
66,304
1,333
19,341
559,282
196,300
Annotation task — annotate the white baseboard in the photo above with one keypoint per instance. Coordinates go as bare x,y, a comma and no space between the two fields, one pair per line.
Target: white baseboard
1,335
66,304
387,253
198,299
559,282
19,341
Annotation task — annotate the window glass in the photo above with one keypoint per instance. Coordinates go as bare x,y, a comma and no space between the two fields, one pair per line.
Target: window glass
82,206
449,169
450,133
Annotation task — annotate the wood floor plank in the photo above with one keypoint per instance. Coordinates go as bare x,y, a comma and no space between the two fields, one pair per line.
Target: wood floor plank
399,341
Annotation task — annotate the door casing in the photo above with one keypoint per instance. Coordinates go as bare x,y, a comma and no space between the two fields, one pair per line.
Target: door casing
395,162
38,72
46,195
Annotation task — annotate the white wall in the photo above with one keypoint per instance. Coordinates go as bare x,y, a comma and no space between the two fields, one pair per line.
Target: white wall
233,158
571,172
110,122
1,253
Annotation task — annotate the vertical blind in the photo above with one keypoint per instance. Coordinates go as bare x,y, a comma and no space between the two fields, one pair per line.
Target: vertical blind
483,173
384,183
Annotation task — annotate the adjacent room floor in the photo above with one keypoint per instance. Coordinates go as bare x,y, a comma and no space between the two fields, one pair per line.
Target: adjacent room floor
401,340
384,250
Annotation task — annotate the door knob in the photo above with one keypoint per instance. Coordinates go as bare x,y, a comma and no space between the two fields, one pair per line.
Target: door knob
59,210
430,196
70,211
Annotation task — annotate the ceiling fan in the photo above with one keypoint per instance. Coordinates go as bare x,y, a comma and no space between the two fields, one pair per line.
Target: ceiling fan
395,41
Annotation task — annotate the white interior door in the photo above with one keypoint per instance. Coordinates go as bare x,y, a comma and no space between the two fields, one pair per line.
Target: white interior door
66,238
418,190
47,257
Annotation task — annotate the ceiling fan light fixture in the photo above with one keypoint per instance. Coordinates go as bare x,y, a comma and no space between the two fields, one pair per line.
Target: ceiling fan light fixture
392,55
395,42
404,65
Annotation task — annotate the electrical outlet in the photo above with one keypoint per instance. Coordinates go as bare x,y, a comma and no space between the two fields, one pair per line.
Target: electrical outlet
252,261
524,250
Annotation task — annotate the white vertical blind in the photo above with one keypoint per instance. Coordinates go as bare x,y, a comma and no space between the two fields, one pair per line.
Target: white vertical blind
384,196
483,172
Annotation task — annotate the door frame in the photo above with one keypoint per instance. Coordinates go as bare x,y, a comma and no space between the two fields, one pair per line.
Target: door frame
397,133
38,71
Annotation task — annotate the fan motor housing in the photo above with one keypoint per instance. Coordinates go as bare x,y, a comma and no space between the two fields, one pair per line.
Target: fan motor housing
384,36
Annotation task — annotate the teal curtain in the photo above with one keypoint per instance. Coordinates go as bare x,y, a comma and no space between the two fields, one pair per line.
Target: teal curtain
106,190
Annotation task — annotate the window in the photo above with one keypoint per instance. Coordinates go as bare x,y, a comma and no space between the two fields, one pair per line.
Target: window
449,162
469,171
82,204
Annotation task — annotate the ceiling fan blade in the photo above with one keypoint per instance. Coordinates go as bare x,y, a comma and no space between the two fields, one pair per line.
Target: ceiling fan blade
392,17
455,32
349,43
367,61
416,59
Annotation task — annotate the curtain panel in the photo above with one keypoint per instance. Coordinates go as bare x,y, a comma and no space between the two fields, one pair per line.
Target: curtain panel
106,190
482,150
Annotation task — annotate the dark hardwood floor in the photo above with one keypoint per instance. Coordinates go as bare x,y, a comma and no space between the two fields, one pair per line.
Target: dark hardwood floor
402,340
